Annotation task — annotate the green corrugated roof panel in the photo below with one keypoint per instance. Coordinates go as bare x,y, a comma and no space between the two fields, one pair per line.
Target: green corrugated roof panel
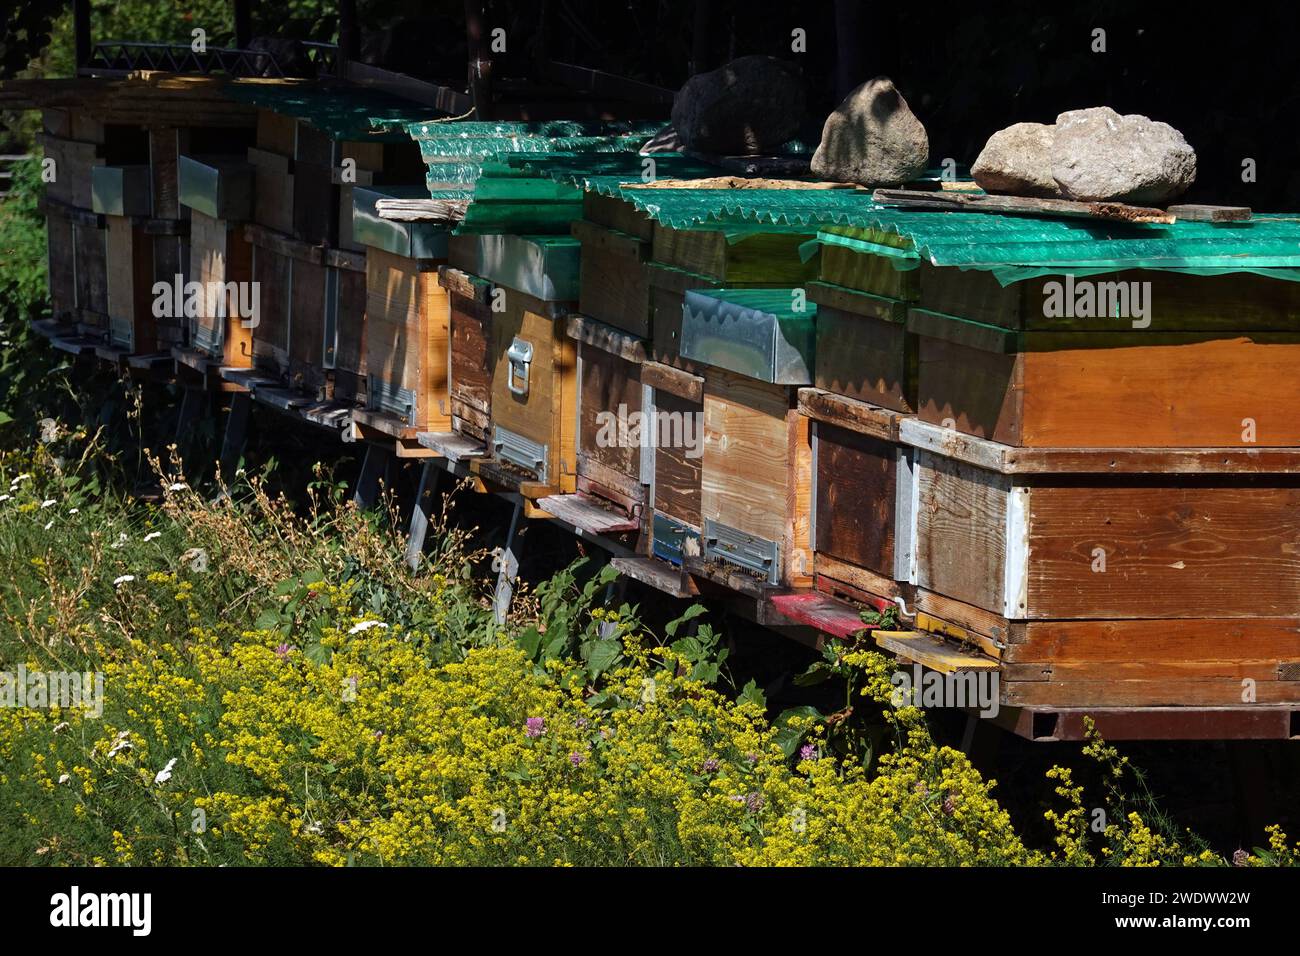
1014,247
345,113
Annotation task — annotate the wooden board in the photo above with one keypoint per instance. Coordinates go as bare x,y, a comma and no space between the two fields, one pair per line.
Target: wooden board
91,270
613,286
868,273
616,214
307,328
771,258
1170,550
272,271
677,468
1234,302
62,268
960,533
350,339
756,475
611,393
867,358
130,283
315,203
855,486
1171,641
1092,391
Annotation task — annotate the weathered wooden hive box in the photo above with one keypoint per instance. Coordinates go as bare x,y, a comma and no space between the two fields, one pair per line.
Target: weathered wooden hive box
121,194
860,521
534,376
217,191
755,349
318,151
76,143
1116,577
1190,361
868,353
407,313
612,431
616,244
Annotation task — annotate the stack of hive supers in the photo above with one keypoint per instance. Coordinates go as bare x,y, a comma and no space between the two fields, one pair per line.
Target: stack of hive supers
1105,503
406,332
273,210
76,143
218,190
693,478
512,281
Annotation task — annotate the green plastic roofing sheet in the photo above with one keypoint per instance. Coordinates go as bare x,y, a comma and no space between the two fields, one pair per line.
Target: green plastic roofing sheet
345,113
1013,247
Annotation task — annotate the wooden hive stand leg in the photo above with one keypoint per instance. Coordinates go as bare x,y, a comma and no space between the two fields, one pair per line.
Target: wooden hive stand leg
507,567
232,442
429,479
373,468
194,404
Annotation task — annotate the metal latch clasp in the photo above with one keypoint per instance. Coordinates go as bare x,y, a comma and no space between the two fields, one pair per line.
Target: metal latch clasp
520,355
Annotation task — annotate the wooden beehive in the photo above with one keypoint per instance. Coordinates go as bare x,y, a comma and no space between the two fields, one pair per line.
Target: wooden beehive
1114,578
611,430
756,480
674,400
130,267
861,497
1208,365
220,255
217,192
865,351
472,364
534,390
406,339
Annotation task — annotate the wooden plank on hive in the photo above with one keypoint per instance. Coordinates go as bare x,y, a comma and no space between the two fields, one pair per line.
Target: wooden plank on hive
851,414
856,486
931,652
600,335
1169,550
1148,693
452,445
1193,212
1020,205
1187,639
822,613
588,514
659,575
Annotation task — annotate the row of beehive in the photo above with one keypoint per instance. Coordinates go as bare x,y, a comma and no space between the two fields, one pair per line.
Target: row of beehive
1174,582
1082,501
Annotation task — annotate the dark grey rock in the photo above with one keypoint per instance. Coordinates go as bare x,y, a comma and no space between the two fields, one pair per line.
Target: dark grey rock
751,105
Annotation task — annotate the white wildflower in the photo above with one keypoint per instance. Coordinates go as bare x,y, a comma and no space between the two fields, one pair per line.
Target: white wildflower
177,486
151,535
74,511
5,497
124,579
121,540
49,524
48,503
64,778
165,774
360,626
120,744
61,725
